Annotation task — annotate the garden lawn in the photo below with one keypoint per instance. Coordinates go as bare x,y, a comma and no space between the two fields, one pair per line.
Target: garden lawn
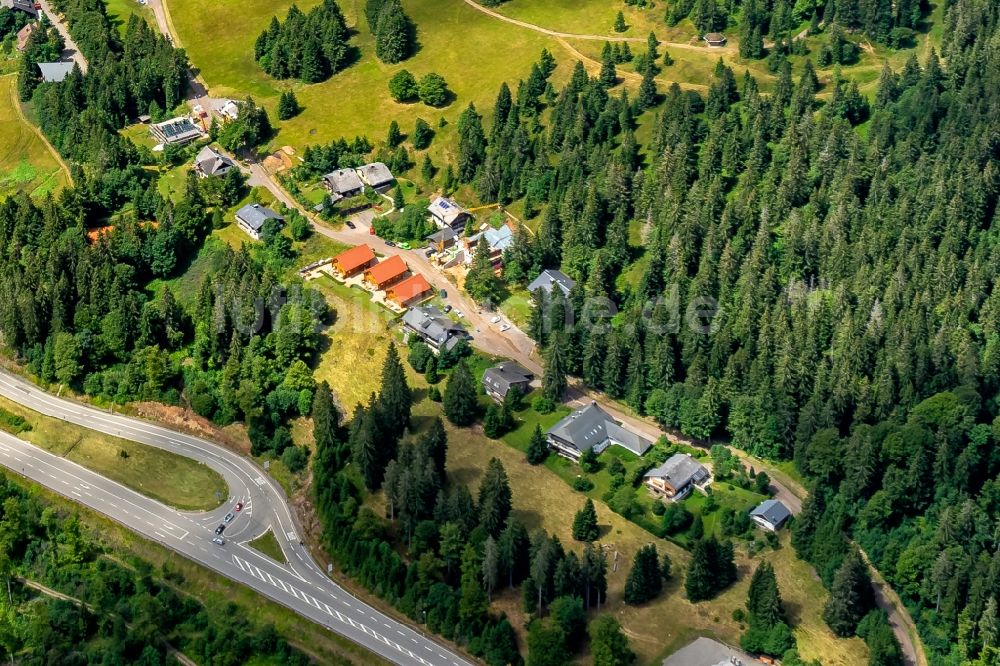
161,475
26,164
119,12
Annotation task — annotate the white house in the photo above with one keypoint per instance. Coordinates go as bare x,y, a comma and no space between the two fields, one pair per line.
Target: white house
252,218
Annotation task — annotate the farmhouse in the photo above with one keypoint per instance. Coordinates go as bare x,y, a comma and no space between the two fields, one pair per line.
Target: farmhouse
501,379
385,273
343,183
433,327
376,176
229,110
353,261
54,72
676,477
26,6
770,515
442,239
447,213
715,39
252,217
549,279
589,428
24,34
210,162
411,290
178,131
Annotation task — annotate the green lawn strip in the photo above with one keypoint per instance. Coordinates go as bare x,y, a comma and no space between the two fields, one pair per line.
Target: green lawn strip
214,591
267,543
158,474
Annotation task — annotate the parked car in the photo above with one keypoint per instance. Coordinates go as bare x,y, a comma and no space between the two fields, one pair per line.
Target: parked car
458,313
220,529
404,246
443,294
447,309
229,517
371,231
495,320
351,225
239,506
429,252
390,243
219,541
504,327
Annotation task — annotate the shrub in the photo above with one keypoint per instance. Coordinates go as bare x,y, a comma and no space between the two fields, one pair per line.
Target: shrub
583,484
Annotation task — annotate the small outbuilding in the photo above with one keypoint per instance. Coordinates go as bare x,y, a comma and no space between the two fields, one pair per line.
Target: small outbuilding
715,39
252,218
770,515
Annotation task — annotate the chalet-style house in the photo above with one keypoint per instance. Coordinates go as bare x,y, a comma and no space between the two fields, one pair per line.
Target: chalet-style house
433,327
409,291
589,428
252,218
549,279
386,273
376,176
179,131
351,262
770,515
210,162
447,213
343,184
675,478
501,379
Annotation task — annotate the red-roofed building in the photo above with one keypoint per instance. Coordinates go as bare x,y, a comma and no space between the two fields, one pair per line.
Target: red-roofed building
410,290
353,261
386,273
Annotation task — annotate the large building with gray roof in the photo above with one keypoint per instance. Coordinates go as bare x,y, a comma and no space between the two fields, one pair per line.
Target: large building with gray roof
592,428
550,279
501,379
675,478
252,218
433,327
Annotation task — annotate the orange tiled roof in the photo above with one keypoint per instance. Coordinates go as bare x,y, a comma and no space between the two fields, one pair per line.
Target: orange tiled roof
409,289
354,258
390,269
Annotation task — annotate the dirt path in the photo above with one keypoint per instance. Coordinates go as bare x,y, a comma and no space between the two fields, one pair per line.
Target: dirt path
571,35
595,67
899,618
16,103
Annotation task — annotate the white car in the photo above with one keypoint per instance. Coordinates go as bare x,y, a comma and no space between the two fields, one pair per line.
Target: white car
229,517
458,313
505,327
219,541
495,320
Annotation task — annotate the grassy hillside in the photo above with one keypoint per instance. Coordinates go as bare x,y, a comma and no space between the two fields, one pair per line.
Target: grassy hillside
26,164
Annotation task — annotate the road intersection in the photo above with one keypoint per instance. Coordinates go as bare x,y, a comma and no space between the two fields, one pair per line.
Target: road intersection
299,585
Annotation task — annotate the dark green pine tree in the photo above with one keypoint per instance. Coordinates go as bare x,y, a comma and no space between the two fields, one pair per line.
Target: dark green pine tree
395,398
367,447
494,498
609,74
461,406
645,580
608,645
325,424
585,523
763,597
395,136
850,596
538,448
620,25
513,546
554,379
471,144
393,33
646,99
699,584
288,107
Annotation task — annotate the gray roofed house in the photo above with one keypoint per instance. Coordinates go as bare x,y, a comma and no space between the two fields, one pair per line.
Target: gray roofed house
442,238
54,72
770,515
549,279
447,213
252,217
433,327
26,6
707,652
500,379
376,175
210,162
591,427
344,183
675,478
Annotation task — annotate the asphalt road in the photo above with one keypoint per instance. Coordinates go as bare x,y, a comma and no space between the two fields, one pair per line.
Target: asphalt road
299,585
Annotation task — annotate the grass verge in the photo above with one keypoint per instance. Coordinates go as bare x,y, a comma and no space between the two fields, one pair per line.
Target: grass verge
161,475
267,544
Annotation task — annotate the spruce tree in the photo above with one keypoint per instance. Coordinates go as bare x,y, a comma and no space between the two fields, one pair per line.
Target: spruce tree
620,25
645,580
325,424
395,136
434,442
538,449
460,403
393,33
646,99
608,645
288,105
471,144
585,523
494,498
554,379
850,596
395,399
699,583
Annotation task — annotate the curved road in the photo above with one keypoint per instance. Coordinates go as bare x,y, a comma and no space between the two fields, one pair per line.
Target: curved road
300,585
